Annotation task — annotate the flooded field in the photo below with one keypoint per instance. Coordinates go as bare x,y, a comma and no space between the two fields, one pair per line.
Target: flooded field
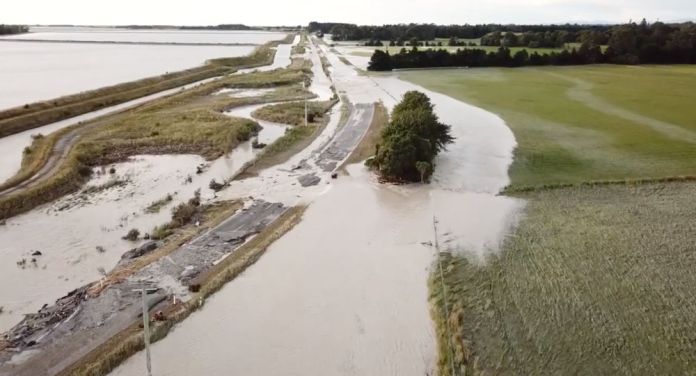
73,227
282,58
13,146
32,72
106,34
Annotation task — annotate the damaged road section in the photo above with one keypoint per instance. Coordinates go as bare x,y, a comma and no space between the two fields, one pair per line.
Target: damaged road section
347,138
48,342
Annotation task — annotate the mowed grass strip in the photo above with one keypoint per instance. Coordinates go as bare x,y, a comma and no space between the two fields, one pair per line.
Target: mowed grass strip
590,123
595,281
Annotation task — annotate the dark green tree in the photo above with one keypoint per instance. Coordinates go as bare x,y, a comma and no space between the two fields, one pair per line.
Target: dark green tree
380,61
411,141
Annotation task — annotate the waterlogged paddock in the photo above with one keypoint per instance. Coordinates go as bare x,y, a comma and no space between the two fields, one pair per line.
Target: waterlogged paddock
596,280
575,124
32,72
106,34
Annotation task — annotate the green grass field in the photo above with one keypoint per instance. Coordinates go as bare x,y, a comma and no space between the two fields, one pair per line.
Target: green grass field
595,281
590,123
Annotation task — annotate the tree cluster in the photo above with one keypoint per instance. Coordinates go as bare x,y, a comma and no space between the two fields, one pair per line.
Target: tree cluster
401,43
409,143
343,31
627,44
531,39
13,29
454,42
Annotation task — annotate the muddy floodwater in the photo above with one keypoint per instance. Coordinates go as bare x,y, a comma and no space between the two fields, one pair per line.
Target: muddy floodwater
73,227
107,34
32,72
13,146
345,292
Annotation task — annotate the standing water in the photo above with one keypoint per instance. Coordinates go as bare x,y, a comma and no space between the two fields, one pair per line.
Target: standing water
73,227
345,292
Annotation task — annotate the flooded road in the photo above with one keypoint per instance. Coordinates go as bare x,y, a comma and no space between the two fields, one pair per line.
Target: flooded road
73,227
13,146
345,292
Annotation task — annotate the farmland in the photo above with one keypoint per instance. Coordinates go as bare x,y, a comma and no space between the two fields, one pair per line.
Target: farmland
596,278
594,281
580,124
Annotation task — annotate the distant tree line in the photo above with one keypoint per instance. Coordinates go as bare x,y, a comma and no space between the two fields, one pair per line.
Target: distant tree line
632,43
218,27
401,43
209,27
404,32
532,39
13,29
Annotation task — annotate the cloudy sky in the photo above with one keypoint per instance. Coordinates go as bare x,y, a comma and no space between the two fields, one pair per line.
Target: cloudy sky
295,12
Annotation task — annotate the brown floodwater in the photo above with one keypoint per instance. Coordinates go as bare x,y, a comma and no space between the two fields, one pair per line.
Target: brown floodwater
345,292
68,231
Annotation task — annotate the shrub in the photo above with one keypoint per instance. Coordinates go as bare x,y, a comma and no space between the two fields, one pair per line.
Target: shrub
132,235
183,213
214,185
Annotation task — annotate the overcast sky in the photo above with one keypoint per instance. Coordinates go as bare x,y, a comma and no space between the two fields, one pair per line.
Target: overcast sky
296,12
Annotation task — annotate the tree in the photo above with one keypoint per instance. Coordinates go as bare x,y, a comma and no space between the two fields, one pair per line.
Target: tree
410,142
380,61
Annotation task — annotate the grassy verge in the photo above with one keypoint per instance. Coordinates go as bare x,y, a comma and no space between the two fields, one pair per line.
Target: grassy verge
188,122
366,147
34,115
110,354
293,113
579,124
295,139
595,280
41,149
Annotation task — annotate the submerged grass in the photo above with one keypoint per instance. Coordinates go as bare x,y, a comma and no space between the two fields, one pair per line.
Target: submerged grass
591,123
595,280
293,113
156,206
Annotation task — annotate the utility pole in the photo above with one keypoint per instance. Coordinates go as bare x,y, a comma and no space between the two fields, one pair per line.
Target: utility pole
146,330
304,86
444,298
